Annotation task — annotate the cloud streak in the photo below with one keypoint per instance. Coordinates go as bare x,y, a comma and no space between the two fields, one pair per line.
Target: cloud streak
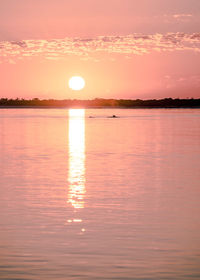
182,16
87,48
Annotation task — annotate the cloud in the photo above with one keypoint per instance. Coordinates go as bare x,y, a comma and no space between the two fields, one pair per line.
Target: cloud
21,44
182,16
87,48
179,18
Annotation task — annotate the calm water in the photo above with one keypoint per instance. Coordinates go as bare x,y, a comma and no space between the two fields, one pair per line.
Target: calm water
99,198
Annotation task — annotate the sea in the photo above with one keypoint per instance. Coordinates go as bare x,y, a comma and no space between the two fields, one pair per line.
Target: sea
88,196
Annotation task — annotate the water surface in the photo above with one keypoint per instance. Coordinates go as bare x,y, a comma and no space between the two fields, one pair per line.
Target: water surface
84,196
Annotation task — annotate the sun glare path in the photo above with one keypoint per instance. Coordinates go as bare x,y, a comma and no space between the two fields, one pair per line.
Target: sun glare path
76,174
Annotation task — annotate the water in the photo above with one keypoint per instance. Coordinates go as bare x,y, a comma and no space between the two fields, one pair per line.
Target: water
99,198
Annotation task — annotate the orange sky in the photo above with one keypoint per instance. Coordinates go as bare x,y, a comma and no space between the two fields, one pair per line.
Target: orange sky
123,49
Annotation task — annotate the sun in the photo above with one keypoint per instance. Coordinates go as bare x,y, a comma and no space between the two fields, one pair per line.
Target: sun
76,83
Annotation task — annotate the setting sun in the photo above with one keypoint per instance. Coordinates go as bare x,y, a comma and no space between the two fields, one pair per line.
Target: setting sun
76,83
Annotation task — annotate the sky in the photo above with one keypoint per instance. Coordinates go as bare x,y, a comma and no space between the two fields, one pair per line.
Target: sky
122,48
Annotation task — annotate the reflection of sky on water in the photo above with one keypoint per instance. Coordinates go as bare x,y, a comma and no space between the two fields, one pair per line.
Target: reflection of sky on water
141,211
76,173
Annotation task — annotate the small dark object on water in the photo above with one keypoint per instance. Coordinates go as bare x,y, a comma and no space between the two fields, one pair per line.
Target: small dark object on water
113,116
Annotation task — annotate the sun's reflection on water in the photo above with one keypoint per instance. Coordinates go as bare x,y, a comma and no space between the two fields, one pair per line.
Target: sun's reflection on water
76,173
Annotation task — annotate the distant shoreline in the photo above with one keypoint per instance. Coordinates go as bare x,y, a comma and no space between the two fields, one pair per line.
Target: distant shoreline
53,107
100,103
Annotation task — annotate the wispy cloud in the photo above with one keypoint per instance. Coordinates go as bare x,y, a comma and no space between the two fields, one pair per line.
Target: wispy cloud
135,44
182,16
179,18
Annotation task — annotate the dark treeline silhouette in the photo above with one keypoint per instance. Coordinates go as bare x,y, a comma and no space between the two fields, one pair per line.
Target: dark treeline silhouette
100,102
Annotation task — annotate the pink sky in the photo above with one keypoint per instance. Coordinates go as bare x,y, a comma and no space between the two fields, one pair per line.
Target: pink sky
123,49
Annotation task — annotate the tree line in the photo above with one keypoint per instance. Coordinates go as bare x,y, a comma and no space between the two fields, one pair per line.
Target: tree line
101,102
